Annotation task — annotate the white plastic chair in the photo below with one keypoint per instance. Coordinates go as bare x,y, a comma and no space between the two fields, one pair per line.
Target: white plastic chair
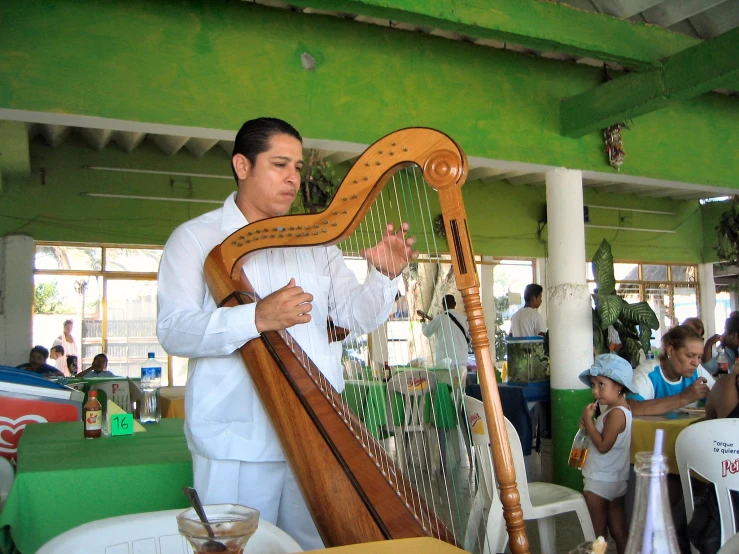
7,476
486,488
539,501
413,386
153,533
731,546
699,448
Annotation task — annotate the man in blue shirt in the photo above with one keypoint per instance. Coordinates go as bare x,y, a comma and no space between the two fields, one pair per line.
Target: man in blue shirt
37,363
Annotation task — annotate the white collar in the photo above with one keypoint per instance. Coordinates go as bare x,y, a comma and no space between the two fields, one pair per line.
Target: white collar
231,216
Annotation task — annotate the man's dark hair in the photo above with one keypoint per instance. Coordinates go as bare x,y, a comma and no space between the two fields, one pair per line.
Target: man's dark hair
449,302
68,322
731,325
41,350
532,291
58,348
103,356
253,138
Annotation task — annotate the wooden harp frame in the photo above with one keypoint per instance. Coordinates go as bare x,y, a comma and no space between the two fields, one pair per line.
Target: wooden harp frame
358,495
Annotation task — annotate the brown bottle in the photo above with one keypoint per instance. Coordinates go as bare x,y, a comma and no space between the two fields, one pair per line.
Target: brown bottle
93,412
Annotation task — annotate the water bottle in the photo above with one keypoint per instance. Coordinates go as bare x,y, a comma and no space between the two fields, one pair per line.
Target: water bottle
151,380
722,362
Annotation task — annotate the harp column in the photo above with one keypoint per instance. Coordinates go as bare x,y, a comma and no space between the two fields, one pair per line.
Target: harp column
569,315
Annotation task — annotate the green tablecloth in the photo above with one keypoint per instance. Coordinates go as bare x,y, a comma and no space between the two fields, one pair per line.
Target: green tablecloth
64,480
368,399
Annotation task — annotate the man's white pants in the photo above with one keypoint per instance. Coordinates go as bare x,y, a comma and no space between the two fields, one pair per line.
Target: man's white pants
270,487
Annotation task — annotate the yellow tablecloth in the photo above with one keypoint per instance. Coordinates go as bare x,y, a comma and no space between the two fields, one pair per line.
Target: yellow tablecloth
424,545
644,427
172,402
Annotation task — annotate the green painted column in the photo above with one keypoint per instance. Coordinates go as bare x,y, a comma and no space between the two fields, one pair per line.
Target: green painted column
569,315
567,406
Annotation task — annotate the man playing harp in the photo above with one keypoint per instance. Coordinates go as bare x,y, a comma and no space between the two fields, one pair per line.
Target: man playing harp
237,457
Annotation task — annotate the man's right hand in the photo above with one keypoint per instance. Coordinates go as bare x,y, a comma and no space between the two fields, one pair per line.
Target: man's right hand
284,308
699,389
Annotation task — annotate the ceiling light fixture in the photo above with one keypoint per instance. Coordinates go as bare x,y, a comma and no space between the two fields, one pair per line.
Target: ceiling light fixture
153,172
158,198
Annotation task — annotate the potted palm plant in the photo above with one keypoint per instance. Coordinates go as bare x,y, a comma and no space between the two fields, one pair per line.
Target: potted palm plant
633,322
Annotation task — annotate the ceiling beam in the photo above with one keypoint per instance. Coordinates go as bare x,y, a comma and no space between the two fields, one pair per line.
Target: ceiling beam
545,26
709,65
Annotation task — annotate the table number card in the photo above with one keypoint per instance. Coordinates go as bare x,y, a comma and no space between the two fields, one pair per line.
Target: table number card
121,424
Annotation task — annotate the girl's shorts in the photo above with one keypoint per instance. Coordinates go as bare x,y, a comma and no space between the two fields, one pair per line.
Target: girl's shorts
609,491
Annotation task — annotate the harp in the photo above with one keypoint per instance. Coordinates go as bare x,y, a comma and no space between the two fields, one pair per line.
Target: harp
353,488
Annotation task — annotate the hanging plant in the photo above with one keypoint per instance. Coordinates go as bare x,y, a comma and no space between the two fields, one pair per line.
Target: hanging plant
612,135
727,235
633,322
439,229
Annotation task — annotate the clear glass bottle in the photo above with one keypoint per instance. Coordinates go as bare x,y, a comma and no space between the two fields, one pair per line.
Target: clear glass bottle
652,530
151,381
579,451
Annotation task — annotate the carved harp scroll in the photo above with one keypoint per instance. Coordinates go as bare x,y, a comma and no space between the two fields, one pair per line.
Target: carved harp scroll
353,489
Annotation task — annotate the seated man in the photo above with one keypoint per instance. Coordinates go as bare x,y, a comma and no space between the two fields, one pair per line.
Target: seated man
98,368
37,363
678,380
730,342
60,360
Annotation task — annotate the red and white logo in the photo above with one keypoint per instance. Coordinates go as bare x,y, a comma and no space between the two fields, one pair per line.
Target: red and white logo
11,430
729,466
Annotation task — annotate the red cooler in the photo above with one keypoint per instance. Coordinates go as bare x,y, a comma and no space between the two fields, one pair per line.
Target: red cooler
27,398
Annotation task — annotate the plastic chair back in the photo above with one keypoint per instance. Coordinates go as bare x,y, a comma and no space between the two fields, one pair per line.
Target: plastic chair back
413,386
710,449
7,476
153,533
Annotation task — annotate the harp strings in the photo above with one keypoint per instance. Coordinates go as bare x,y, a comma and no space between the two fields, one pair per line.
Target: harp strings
405,198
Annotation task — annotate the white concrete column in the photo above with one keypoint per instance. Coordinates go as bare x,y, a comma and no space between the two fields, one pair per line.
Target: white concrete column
16,298
707,299
540,276
487,288
569,311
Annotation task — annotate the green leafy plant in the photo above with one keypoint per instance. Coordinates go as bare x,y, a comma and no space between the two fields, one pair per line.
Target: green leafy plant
633,322
318,184
727,235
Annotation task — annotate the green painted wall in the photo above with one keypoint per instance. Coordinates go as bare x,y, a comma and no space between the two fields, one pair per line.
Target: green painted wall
503,218
56,211
212,64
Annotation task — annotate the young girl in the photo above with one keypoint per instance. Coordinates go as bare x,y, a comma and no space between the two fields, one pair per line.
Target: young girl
606,469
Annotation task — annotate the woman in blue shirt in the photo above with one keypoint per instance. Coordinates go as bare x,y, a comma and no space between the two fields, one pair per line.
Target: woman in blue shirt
678,380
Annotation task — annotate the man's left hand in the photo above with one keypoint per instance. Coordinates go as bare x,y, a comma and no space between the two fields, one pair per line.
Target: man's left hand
393,253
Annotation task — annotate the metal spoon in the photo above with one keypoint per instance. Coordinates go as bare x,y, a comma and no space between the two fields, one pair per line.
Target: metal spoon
210,545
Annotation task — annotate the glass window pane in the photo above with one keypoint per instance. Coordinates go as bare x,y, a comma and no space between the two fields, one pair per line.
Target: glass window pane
654,272
631,292
684,273
589,271
61,297
75,258
132,321
137,260
723,309
657,296
626,272
686,302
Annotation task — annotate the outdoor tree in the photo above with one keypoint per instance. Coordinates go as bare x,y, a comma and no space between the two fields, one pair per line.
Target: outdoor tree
46,298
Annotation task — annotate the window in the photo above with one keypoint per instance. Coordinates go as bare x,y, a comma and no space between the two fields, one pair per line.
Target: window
110,294
671,290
